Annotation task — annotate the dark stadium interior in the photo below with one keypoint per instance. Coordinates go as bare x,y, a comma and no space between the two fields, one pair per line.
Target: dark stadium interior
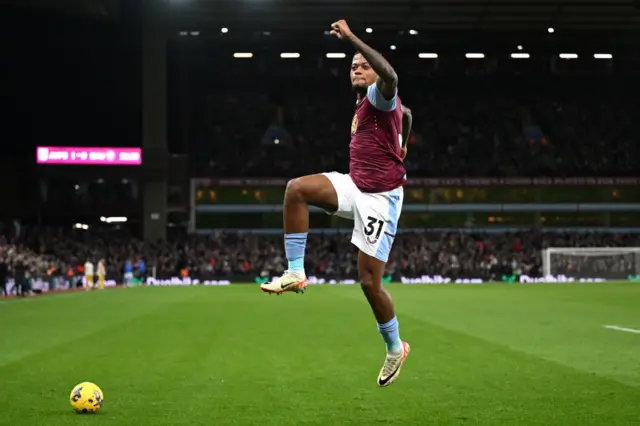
554,135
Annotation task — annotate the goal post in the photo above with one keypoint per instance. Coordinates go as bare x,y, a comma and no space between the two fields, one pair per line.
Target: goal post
611,263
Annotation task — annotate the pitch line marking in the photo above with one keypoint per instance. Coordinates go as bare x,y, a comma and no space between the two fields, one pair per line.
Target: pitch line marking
628,330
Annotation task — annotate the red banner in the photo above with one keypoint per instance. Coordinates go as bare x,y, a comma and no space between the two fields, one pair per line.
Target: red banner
443,182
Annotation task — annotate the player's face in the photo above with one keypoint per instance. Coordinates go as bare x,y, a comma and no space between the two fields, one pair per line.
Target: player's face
362,75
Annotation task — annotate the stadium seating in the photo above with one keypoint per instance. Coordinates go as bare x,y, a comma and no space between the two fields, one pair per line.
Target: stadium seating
232,254
494,125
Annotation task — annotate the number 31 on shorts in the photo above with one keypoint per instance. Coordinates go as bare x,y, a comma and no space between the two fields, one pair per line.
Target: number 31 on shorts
373,229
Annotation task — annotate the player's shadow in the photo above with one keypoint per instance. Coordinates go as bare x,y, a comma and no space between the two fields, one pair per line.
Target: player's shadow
57,413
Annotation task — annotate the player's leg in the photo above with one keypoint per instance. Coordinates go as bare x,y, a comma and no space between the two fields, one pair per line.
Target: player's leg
315,190
375,226
371,271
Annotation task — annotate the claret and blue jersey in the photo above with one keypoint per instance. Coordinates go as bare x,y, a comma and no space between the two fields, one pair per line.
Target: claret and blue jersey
376,164
378,101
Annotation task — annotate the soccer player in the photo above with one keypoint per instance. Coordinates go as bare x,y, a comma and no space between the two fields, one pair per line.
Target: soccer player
88,274
102,272
371,194
128,273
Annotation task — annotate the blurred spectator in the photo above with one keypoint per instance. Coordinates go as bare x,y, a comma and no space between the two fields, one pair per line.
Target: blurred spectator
20,275
4,271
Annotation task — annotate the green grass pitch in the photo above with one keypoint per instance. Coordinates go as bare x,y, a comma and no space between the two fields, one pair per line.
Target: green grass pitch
481,355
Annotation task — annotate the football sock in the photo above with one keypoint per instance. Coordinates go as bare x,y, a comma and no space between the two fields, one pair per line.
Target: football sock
390,333
294,246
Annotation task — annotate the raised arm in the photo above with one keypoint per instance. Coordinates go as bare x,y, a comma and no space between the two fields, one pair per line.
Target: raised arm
387,81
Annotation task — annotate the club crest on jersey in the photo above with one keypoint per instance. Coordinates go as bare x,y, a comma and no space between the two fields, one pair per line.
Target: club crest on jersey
354,124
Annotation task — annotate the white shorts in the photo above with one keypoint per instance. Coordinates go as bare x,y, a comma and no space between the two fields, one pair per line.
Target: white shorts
375,216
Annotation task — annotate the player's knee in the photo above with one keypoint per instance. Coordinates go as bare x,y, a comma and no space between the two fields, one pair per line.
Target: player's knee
294,190
366,282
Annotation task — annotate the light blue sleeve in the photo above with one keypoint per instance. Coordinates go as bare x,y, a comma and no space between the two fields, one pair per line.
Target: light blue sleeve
378,101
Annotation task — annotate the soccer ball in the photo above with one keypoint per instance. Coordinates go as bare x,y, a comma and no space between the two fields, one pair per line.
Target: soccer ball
86,398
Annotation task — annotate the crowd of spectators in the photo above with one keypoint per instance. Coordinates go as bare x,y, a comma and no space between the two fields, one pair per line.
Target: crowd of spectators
456,254
226,255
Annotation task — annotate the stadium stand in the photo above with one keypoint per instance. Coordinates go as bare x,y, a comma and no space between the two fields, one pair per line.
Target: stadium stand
51,252
551,125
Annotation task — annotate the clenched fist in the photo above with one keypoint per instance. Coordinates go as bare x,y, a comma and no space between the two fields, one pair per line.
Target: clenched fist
341,30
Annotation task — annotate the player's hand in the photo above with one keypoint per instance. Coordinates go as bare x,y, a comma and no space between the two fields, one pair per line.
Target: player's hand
403,152
341,30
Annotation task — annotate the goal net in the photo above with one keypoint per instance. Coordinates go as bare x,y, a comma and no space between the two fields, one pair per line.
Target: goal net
610,263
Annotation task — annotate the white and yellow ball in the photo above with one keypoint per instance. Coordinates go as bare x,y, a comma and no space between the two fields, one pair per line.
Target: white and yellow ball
86,397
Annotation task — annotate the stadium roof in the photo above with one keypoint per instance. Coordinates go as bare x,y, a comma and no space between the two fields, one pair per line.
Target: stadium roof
408,14
378,14
96,8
